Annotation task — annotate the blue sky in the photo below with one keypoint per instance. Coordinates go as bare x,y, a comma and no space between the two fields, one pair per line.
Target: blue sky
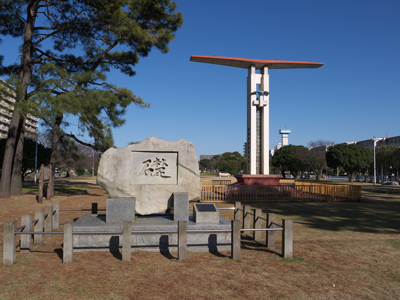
354,96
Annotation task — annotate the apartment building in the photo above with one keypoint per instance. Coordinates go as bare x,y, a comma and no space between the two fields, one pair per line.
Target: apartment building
394,141
6,108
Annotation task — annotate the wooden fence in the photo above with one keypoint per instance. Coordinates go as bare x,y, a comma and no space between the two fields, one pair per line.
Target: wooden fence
296,191
228,182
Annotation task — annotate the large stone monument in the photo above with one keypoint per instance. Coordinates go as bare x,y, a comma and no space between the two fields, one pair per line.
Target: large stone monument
147,179
148,173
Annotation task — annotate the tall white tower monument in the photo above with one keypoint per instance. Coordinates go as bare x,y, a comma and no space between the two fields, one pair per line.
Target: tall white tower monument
257,106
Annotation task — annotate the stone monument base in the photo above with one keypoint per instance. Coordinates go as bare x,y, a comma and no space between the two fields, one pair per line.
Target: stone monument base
260,186
258,179
197,242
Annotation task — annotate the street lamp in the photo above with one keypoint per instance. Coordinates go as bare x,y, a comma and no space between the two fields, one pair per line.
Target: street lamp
37,135
375,140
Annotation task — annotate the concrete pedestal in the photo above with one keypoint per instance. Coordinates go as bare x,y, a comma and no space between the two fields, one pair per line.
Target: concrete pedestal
120,210
258,179
196,242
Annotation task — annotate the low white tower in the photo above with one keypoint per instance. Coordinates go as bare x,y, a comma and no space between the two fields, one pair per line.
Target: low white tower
285,136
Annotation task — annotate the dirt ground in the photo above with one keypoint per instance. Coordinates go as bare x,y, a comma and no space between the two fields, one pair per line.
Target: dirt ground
342,251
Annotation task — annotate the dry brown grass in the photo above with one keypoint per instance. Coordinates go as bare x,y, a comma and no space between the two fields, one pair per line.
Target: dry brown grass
342,251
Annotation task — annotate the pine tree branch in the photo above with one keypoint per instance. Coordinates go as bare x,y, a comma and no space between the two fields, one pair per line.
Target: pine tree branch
45,37
99,61
50,58
71,135
21,20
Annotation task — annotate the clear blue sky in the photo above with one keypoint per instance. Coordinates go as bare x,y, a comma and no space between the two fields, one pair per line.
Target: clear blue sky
354,96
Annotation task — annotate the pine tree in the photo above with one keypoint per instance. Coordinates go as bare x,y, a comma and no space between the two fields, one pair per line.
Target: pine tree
84,36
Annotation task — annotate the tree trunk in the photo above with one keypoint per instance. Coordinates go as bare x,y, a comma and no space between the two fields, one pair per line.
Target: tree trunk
9,153
350,177
13,146
55,132
16,174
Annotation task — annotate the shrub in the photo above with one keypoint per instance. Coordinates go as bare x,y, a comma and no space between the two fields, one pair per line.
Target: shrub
80,171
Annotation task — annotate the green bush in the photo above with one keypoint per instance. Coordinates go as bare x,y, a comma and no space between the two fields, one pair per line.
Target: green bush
80,171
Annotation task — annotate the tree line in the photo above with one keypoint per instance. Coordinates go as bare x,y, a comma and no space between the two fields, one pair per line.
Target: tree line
323,156
231,162
71,156
67,47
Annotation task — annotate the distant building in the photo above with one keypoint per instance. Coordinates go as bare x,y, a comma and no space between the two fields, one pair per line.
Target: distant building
6,109
277,147
271,153
395,141
285,136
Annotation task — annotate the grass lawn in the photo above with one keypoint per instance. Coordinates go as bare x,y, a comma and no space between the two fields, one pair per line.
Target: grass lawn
342,251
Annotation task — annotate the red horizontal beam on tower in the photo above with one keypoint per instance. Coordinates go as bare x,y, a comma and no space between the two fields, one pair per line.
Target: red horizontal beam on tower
245,63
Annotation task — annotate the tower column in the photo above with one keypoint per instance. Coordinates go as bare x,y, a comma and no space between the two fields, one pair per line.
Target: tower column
264,86
258,121
251,120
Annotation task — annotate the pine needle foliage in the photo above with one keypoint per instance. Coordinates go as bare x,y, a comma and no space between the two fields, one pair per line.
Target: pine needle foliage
67,46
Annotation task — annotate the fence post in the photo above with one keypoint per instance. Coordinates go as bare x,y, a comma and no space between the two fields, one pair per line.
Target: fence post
287,238
246,216
235,240
68,248
9,243
38,238
257,224
126,239
25,245
94,209
270,233
48,221
182,240
238,206
56,216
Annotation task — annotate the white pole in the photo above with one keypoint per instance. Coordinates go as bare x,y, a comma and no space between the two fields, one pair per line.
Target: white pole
37,133
93,165
374,164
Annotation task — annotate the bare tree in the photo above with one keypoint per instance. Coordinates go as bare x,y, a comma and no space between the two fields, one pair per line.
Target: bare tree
320,143
315,156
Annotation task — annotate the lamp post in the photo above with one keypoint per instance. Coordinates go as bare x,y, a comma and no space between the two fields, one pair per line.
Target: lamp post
93,165
37,135
375,140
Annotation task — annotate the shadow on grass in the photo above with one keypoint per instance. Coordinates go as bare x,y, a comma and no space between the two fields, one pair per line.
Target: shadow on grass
369,215
116,254
218,254
248,243
60,190
59,252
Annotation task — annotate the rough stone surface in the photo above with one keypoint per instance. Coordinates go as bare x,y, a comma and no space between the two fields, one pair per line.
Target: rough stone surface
181,206
120,210
150,172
